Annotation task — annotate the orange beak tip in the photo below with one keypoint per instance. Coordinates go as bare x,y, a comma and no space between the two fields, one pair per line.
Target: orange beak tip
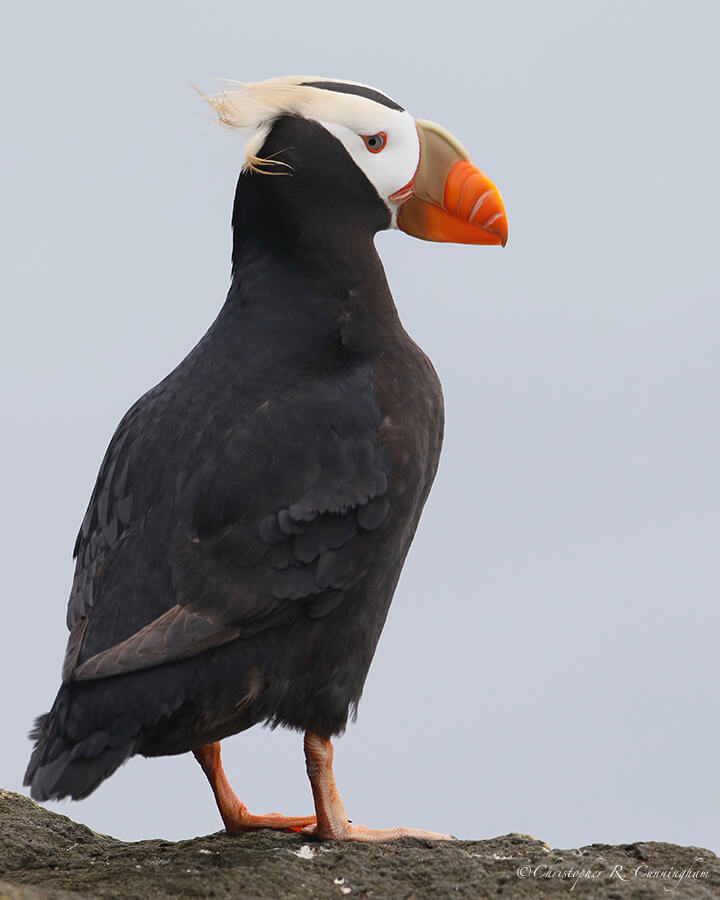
469,212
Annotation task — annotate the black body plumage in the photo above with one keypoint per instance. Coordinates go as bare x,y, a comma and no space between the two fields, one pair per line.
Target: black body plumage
253,510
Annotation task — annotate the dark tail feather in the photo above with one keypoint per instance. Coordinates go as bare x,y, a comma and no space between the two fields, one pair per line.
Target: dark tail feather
60,768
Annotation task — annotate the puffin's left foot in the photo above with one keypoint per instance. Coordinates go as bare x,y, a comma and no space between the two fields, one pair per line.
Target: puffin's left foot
332,823
344,831
235,816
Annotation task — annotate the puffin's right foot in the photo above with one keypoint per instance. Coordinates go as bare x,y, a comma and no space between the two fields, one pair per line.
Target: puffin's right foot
234,814
245,821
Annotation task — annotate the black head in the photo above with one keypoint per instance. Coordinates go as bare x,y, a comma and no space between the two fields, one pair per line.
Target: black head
306,192
329,163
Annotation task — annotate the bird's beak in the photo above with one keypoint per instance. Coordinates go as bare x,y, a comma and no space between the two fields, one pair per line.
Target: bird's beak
449,199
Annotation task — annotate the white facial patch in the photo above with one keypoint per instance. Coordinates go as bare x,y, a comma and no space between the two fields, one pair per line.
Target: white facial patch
394,166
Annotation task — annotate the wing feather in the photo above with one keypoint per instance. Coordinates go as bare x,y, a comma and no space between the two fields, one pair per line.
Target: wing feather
265,519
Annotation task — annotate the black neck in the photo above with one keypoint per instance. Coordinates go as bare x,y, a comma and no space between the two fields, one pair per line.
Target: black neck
292,292
267,219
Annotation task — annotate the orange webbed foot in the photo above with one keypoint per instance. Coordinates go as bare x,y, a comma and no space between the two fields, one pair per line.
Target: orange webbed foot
332,824
340,831
234,814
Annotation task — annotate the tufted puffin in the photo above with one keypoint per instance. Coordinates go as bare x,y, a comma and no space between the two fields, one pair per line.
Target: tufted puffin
253,510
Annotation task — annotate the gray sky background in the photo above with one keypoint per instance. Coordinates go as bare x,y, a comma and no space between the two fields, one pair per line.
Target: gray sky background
550,663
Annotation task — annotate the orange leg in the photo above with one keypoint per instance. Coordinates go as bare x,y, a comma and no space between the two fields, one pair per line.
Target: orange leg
234,813
332,823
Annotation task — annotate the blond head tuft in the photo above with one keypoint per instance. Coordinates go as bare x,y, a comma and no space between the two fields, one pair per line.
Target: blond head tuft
254,106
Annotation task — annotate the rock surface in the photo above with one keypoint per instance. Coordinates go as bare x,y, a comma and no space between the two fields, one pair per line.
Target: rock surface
44,855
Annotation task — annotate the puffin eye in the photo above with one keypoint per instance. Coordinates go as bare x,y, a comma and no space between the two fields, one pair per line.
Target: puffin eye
375,142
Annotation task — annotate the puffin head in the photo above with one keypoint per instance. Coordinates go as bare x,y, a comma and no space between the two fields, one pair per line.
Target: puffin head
344,153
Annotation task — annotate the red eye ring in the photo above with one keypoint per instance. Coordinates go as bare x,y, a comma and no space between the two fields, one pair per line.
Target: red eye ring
375,142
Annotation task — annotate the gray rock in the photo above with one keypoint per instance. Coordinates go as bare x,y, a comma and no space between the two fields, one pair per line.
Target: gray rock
44,855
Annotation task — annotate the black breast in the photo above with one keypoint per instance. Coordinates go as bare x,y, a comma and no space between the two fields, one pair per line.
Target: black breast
252,516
